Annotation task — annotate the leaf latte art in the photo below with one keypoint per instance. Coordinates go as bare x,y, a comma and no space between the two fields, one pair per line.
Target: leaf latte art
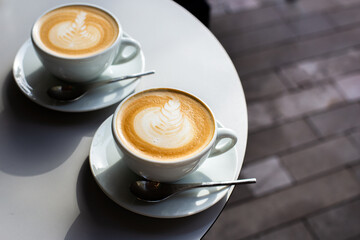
164,124
75,35
76,30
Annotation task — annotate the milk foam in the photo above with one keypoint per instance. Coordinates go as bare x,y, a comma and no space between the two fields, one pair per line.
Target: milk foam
75,35
75,31
165,126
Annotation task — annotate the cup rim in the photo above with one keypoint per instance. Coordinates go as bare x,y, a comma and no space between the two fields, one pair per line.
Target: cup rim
39,46
165,162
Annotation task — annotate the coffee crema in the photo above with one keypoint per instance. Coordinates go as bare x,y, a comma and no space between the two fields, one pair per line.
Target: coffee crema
164,124
76,31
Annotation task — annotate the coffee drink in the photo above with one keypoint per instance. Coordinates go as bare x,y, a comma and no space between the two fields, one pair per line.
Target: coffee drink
75,31
164,124
164,134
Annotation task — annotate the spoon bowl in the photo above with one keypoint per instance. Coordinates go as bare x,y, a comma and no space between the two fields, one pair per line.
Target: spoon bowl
150,191
73,92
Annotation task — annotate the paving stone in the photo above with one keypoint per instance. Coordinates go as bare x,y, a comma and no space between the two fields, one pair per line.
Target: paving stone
337,120
306,101
271,2
338,223
356,138
354,238
346,16
295,231
288,205
303,7
269,173
261,37
350,86
215,2
260,114
291,52
320,158
217,8
237,21
347,2
292,105
311,24
274,140
297,76
236,6
315,70
263,85
356,171
240,193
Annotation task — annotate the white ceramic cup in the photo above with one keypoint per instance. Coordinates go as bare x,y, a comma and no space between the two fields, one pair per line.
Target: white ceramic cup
84,69
173,170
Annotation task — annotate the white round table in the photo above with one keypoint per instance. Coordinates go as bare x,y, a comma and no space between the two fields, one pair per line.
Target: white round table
47,189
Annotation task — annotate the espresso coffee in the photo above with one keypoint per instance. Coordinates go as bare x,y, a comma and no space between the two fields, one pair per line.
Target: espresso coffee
75,31
164,124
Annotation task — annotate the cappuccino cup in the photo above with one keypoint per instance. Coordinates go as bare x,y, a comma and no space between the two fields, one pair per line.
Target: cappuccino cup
78,42
164,134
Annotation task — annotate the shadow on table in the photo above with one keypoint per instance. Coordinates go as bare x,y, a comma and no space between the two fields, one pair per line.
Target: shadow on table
35,140
101,218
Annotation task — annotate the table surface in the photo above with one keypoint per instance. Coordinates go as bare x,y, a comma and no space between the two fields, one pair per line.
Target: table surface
47,189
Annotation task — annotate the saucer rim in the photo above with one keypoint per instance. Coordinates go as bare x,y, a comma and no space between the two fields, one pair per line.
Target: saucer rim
223,192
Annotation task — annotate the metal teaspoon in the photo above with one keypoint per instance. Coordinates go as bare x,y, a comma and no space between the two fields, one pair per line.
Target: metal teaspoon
69,92
150,191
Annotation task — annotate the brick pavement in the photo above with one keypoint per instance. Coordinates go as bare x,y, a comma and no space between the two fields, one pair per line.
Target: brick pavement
299,64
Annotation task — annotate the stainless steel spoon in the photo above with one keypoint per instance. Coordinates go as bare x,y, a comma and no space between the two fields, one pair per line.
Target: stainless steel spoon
72,92
155,191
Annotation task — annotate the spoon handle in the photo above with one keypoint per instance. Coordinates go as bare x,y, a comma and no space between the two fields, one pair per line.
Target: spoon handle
117,79
130,76
224,183
183,187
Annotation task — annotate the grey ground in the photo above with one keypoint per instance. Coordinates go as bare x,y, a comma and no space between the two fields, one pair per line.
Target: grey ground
299,64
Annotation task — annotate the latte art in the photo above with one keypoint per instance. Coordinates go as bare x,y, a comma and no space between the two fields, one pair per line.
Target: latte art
75,35
165,124
76,31
164,127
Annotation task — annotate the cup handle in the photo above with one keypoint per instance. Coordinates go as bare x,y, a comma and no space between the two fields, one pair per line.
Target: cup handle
222,134
126,42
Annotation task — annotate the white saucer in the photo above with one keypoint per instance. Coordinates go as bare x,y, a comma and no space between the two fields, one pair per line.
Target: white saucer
114,178
33,80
